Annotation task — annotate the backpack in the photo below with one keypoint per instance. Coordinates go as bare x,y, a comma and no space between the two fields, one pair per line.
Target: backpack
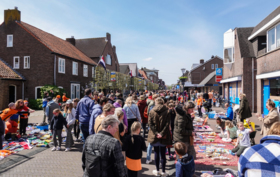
93,161
146,112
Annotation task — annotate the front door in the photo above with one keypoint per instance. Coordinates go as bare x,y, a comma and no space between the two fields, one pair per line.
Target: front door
12,93
266,95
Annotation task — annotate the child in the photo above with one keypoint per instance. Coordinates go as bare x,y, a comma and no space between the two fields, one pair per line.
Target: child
199,105
221,124
185,165
64,98
24,117
57,123
133,146
70,118
231,130
243,138
120,134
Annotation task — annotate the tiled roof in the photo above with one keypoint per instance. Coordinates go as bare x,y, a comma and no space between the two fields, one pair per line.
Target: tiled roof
245,46
143,73
267,19
56,44
6,72
92,47
124,69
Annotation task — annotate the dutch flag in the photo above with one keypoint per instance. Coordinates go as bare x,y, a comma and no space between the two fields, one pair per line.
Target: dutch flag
102,62
130,73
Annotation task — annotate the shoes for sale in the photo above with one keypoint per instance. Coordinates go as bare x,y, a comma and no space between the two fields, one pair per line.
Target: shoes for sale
164,174
54,148
58,148
149,161
67,149
156,173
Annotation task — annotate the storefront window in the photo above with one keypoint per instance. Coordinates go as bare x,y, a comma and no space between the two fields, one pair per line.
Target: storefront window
275,89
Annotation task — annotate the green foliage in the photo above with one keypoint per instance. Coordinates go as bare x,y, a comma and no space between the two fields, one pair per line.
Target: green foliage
183,77
55,89
35,104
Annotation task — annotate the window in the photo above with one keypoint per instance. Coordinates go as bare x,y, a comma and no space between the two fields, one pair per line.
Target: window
61,65
75,68
10,40
216,66
16,62
274,89
26,62
85,70
273,38
75,91
93,72
108,60
212,66
229,55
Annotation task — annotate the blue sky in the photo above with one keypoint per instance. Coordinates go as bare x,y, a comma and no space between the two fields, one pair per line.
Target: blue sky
164,34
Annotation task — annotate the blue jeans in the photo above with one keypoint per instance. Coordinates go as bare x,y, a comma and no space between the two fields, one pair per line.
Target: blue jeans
149,152
85,131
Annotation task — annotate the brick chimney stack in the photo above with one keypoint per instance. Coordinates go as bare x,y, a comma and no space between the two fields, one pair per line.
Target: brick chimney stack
11,15
114,49
108,37
71,40
201,61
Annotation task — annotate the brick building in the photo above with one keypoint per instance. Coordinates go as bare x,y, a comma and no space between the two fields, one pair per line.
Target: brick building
152,74
42,58
239,66
94,48
202,75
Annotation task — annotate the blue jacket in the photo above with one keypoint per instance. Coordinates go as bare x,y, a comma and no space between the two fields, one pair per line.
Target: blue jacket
185,166
262,159
84,110
97,110
229,113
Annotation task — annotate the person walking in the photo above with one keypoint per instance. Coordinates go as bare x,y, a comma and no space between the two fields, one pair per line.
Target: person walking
70,119
52,105
183,126
56,125
270,119
76,125
142,104
108,109
159,133
83,113
132,112
244,110
118,104
109,148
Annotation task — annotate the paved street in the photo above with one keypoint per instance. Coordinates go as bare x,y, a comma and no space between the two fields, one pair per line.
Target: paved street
44,162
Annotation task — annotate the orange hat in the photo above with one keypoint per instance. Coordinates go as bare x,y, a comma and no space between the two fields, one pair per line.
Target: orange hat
25,101
58,96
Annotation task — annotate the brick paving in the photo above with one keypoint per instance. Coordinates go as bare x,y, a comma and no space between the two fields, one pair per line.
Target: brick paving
60,163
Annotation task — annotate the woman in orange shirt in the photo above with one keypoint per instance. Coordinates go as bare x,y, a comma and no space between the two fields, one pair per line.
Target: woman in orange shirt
199,105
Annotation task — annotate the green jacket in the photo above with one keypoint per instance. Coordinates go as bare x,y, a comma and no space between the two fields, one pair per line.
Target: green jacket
183,126
244,110
159,121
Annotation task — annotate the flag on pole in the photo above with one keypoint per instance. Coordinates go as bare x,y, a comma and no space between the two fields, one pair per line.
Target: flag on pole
102,62
130,73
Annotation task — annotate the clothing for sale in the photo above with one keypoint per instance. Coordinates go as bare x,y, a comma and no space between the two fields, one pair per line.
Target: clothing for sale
7,113
232,132
244,137
58,122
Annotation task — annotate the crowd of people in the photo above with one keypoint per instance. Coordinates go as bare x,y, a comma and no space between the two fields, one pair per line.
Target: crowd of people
110,128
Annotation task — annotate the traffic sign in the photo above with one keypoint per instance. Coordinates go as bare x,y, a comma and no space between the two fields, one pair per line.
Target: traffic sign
219,71
219,78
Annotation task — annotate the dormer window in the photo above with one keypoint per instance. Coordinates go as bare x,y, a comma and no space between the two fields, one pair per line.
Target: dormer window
273,38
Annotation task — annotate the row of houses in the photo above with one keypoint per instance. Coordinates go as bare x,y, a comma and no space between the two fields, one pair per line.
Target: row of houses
31,58
250,64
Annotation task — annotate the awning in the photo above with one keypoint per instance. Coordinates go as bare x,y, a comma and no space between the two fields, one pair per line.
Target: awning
189,84
268,75
207,79
232,79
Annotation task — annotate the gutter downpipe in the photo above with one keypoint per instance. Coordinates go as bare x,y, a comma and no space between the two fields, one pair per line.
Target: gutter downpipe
54,71
253,86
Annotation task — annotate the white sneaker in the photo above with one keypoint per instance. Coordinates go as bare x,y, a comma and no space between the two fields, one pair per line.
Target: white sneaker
54,148
156,173
164,174
67,149
58,148
149,161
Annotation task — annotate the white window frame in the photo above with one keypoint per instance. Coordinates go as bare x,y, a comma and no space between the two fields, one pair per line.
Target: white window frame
73,68
14,67
85,74
59,70
93,72
212,66
107,60
216,66
36,91
10,44
24,61
75,85
275,38
232,55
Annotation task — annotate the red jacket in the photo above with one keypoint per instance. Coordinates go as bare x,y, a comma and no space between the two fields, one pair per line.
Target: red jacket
142,105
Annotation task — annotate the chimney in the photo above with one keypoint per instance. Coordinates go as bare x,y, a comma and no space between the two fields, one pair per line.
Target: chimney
114,49
71,40
213,56
108,37
11,15
201,61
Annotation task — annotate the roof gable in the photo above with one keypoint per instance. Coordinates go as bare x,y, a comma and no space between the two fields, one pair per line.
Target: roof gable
245,46
216,57
55,44
92,47
6,72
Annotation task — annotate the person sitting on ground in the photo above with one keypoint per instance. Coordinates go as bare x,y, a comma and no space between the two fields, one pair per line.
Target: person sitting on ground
270,119
109,148
221,124
229,113
231,130
262,159
185,166
243,138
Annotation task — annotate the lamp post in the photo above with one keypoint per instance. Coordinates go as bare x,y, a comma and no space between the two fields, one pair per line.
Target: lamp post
183,82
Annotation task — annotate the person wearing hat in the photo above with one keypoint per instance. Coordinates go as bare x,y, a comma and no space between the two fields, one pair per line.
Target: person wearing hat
57,98
70,118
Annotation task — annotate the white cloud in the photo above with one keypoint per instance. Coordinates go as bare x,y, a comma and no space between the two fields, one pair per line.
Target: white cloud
148,59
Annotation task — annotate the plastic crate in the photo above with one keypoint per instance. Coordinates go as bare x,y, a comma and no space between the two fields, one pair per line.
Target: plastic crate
45,127
211,115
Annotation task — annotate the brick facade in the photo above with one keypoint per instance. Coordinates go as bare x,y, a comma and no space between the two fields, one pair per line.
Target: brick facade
4,87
